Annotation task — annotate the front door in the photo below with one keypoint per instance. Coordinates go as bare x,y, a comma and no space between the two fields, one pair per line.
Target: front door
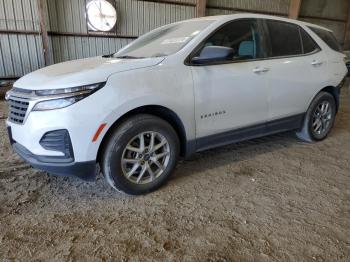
232,94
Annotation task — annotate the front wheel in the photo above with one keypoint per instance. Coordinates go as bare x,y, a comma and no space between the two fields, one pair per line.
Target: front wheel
319,119
140,155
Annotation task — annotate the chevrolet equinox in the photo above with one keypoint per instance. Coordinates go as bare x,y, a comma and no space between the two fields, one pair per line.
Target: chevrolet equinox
177,90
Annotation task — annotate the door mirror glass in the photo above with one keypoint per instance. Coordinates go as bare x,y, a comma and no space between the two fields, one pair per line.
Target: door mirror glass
212,54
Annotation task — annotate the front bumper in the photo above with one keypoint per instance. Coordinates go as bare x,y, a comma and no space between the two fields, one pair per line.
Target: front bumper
56,165
83,170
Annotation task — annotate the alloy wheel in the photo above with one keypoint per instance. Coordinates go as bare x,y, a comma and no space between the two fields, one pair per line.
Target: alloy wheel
145,157
322,118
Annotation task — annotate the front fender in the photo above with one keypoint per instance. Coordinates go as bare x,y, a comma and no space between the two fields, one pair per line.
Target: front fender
158,86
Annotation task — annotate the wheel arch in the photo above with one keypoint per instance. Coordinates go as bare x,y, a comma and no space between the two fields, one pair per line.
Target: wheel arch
160,111
334,91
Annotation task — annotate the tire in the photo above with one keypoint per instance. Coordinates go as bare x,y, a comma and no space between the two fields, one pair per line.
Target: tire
130,164
312,121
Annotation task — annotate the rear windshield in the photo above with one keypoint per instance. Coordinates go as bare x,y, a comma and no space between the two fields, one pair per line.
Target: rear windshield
164,41
328,38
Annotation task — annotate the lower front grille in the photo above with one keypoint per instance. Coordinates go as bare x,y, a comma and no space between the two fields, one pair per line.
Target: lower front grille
58,140
17,110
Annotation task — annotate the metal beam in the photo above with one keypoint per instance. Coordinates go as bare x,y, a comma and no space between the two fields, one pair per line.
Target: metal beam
323,18
347,33
54,33
43,31
234,9
171,2
200,8
102,35
294,9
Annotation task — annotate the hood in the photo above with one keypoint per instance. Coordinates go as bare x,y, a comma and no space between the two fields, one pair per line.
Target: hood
81,72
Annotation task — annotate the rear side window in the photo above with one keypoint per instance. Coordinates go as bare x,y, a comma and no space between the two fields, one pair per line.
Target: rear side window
284,39
328,38
309,45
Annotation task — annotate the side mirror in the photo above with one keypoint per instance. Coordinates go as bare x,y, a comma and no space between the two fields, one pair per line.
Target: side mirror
212,54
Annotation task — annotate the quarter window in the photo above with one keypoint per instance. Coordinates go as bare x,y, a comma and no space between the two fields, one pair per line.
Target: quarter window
242,36
309,44
284,39
328,38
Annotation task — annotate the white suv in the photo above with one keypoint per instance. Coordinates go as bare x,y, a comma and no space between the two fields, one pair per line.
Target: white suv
180,89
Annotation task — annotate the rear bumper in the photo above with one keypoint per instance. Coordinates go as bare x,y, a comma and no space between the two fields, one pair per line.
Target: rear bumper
83,170
348,67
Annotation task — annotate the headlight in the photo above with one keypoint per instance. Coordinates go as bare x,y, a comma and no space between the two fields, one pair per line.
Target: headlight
64,91
7,96
56,103
64,97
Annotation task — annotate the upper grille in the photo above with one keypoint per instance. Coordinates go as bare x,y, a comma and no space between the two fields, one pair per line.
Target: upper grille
17,110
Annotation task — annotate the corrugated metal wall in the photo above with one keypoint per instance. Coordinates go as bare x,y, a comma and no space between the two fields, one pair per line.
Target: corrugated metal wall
135,17
328,13
21,53
332,14
76,47
217,7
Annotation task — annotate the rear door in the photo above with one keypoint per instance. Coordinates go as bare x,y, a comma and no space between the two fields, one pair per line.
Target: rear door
298,69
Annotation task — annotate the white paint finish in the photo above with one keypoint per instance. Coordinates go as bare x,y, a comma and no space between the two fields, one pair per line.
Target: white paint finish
124,91
80,72
336,68
248,98
234,89
293,82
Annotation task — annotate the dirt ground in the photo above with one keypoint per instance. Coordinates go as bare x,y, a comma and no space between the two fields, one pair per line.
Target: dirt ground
270,199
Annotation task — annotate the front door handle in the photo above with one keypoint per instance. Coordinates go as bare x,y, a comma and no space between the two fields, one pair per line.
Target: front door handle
259,70
316,63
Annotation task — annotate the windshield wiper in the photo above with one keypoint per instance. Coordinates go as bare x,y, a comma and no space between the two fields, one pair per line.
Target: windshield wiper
108,56
128,57
159,55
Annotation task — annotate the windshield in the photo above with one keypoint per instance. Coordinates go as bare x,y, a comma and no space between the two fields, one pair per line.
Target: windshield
163,41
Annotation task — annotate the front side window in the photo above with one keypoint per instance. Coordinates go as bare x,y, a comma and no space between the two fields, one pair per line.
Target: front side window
164,41
284,39
328,38
242,36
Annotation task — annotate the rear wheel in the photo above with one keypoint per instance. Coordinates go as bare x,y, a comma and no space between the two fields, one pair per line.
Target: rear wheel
140,155
319,119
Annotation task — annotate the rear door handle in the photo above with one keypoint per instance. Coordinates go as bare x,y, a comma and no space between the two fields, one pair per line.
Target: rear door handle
316,63
259,70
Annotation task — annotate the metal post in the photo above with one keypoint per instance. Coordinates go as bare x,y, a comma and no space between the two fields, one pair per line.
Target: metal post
43,31
294,9
347,33
200,8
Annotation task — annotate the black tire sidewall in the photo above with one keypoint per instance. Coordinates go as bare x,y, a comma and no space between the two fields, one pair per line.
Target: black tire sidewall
319,99
119,140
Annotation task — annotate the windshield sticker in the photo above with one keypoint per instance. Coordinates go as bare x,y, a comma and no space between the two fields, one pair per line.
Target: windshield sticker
177,40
